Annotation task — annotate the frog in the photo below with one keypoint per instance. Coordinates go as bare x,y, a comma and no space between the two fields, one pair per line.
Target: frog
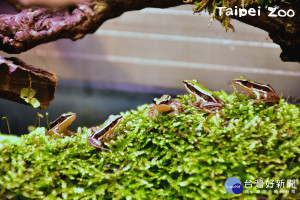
61,124
262,91
165,104
206,100
97,138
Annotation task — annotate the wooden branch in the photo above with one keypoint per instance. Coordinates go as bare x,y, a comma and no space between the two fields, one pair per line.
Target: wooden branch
35,26
32,27
15,75
48,3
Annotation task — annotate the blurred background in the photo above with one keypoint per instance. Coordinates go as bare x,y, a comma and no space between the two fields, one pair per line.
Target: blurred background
144,54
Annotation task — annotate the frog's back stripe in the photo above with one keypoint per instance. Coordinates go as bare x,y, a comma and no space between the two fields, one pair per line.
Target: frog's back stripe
205,94
164,99
58,120
107,126
265,87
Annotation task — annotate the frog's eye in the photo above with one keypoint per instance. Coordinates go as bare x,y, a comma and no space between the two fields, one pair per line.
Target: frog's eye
244,82
154,100
167,98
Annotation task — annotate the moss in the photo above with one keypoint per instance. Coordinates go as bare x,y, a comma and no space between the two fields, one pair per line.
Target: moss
185,156
9,139
211,5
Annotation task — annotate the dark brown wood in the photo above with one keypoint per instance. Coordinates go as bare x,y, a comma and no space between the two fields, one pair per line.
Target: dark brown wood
34,26
15,75
48,3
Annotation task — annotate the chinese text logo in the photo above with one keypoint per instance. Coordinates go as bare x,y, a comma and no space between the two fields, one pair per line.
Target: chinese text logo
233,186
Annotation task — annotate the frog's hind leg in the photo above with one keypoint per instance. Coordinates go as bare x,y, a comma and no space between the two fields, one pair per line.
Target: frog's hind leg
69,133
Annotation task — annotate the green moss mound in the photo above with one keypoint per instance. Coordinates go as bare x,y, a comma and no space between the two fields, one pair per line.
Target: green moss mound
185,156
9,139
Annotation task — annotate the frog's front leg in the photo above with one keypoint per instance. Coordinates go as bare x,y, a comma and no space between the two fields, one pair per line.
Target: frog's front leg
65,133
176,110
55,132
258,97
152,113
196,104
191,103
96,143
176,106
58,134
69,133
106,136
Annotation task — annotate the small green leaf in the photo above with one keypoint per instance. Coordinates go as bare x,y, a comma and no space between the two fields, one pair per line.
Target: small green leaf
33,102
27,93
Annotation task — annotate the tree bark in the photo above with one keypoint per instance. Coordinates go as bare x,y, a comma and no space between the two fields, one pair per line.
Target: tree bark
34,26
16,75
48,3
